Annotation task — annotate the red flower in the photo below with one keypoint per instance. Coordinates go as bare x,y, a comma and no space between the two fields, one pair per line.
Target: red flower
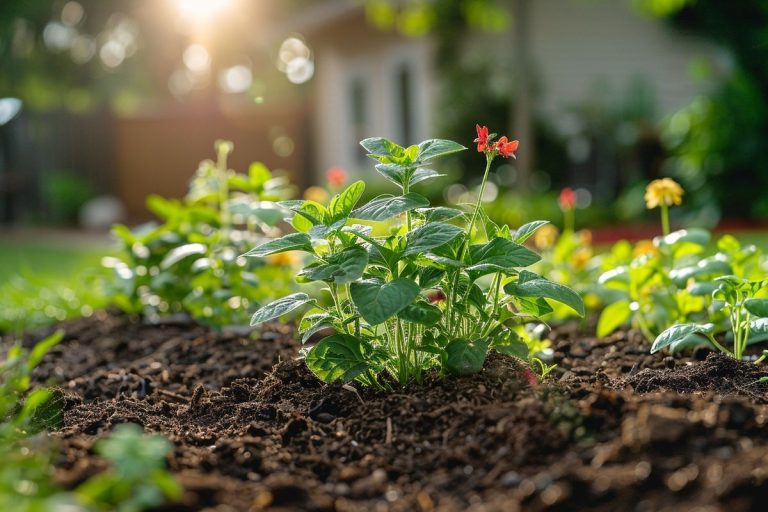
482,138
567,199
336,176
506,148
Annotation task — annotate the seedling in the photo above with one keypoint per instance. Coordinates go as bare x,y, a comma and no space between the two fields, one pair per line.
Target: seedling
438,291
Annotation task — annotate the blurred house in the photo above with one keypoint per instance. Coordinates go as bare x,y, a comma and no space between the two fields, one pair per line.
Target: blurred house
357,82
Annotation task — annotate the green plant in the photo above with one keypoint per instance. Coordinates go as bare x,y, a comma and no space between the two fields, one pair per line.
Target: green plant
190,262
671,280
436,292
744,303
137,479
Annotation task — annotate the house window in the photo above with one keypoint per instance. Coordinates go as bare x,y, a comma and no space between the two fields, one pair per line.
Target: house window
404,88
358,97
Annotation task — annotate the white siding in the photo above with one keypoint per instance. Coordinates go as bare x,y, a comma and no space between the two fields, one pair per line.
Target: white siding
576,43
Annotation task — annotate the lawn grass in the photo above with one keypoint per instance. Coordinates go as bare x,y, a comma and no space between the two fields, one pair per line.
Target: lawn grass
38,259
45,281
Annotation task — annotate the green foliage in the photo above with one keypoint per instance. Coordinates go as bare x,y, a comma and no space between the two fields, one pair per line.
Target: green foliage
671,282
717,142
137,479
432,293
746,308
189,262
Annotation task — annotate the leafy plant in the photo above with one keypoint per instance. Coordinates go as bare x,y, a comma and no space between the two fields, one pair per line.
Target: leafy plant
190,262
657,286
137,479
744,303
435,292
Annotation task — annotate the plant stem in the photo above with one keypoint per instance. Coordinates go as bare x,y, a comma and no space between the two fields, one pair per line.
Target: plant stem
488,160
665,219
569,220
462,252
406,189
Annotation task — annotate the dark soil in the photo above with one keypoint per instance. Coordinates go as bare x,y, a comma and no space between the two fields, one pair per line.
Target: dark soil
612,428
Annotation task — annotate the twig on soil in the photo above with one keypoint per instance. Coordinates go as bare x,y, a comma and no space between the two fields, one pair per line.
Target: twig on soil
350,388
171,394
389,431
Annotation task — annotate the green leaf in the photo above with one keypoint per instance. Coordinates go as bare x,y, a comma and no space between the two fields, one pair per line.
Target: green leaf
430,236
312,324
280,307
341,268
179,253
307,213
613,316
423,174
434,148
258,175
696,236
758,331
526,231
386,206
702,289
421,313
42,347
291,242
532,285
379,301
465,357
533,306
395,173
679,332
705,267
440,213
500,255
338,357
381,147
509,342
341,205
758,307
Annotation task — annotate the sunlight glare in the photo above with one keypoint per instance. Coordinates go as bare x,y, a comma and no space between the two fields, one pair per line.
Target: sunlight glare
202,10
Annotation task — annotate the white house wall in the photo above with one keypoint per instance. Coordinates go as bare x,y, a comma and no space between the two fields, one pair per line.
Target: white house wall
577,43
365,53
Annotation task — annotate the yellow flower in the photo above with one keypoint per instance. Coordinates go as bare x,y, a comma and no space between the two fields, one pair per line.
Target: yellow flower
580,258
664,191
643,248
284,259
317,194
545,237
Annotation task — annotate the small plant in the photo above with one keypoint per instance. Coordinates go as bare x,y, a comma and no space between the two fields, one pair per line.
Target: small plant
136,482
190,263
440,290
744,303
137,479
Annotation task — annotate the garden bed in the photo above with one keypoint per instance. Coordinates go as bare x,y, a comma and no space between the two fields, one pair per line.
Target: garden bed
612,428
